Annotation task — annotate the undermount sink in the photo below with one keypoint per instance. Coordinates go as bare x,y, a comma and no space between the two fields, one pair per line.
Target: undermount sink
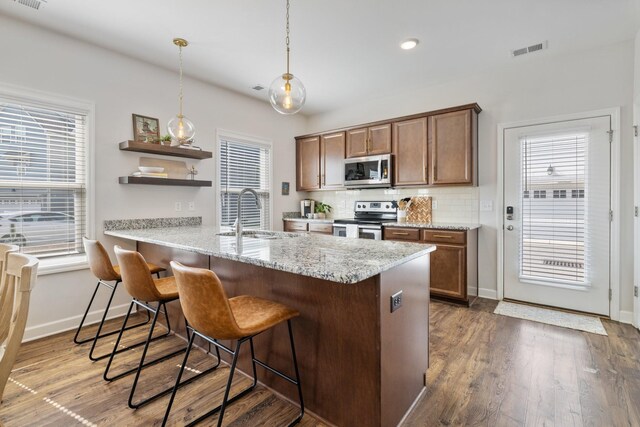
261,234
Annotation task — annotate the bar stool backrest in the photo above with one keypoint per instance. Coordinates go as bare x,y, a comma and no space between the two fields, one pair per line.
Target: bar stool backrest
20,278
204,302
136,275
99,261
5,302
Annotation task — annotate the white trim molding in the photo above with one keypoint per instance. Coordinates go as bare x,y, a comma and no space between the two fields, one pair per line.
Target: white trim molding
488,293
614,273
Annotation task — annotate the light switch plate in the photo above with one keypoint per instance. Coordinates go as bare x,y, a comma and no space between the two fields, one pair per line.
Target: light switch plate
486,205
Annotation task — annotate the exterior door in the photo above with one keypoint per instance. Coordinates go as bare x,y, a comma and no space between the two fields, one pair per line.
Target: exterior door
557,214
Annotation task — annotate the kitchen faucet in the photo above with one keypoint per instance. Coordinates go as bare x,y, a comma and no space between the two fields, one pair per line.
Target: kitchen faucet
238,224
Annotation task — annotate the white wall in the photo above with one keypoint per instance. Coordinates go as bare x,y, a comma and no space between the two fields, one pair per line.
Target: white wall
119,86
536,86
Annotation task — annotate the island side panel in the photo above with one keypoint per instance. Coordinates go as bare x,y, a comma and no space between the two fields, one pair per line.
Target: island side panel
336,337
404,337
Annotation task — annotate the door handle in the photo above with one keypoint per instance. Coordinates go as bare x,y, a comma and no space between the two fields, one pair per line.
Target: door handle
509,227
396,233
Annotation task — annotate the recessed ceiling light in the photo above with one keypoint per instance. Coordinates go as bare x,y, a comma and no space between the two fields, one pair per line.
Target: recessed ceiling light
409,44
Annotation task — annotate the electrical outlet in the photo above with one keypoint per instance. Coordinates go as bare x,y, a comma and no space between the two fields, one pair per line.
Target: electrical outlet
434,204
396,301
192,206
178,206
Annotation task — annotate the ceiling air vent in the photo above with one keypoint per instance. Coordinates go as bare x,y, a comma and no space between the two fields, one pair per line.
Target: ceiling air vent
258,87
34,4
529,49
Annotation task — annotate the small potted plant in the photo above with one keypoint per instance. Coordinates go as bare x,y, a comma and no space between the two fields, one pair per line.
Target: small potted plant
321,210
166,140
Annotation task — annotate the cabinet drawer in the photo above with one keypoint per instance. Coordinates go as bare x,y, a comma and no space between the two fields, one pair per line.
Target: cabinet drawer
445,236
410,234
295,226
321,228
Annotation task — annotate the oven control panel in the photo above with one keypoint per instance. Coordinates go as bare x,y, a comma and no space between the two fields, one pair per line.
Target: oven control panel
386,206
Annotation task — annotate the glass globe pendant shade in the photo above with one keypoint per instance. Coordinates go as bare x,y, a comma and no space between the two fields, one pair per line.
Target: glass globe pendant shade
181,129
287,94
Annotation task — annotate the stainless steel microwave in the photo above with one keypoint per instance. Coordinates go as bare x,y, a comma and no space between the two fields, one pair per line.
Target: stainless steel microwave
370,171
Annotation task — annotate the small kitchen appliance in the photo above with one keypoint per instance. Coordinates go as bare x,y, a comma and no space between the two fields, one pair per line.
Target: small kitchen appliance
367,220
368,172
307,206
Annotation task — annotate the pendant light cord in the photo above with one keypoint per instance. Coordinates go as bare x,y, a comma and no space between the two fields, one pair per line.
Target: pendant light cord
180,97
287,38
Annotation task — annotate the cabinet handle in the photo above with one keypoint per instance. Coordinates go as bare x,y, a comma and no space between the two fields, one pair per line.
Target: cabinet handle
397,233
442,236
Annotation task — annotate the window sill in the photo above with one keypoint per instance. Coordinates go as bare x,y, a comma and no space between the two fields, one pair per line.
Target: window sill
62,264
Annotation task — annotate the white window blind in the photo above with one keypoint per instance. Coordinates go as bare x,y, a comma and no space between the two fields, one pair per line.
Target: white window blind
244,164
42,178
554,233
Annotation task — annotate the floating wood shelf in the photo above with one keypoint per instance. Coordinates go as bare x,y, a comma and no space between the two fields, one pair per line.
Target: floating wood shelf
146,147
163,181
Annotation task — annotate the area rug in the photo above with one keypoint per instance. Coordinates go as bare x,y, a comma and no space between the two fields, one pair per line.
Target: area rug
580,322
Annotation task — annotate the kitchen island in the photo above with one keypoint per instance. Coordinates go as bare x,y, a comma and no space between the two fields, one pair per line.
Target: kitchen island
360,363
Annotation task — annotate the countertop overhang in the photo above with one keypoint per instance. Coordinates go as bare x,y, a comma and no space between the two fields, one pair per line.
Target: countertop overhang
336,259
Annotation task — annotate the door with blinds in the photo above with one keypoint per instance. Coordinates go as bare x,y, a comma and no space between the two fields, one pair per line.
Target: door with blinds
557,214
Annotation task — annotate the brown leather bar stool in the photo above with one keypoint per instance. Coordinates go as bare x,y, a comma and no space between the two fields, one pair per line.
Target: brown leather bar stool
101,267
212,317
144,289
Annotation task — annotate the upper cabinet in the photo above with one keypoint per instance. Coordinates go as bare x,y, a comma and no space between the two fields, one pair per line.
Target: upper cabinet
308,164
320,162
435,148
332,160
410,152
452,142
369,141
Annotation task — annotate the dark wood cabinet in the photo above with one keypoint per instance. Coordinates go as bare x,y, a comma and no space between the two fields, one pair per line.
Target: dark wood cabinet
410,152
308,164
320,162
369,141
332,161
453,148
454,264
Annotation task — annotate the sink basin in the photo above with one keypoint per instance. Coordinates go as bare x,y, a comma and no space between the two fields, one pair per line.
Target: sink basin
261,234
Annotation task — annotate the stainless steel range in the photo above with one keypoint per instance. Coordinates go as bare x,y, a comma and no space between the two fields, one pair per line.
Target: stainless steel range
367,221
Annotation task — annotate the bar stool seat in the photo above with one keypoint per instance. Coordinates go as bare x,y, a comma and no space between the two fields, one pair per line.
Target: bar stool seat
212,316
101,267
167,289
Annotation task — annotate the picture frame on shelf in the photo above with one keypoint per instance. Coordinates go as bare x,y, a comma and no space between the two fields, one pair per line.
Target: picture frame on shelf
146,129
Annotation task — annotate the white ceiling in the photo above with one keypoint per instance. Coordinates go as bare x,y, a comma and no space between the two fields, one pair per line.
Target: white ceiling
344,51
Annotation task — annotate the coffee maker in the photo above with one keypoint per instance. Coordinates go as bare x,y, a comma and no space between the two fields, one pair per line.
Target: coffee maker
307,206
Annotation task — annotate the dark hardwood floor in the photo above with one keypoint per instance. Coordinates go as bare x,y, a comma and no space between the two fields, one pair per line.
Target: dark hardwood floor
486,370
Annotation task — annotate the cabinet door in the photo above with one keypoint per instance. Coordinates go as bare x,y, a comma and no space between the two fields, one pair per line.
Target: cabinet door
357,142
398,233
332,149
295,226
308,164
379,139
448,271
450,139
410,152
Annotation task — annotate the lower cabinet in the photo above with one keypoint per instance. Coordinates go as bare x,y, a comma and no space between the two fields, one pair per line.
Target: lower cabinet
311,227
454,264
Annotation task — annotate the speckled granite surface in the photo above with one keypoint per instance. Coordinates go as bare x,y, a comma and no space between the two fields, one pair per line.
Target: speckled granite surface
337,259
435,225
130,224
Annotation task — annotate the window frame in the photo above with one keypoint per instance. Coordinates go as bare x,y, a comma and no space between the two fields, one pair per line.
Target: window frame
249,139
21,95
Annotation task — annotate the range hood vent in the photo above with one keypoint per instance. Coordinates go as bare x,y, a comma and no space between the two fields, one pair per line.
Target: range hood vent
529,49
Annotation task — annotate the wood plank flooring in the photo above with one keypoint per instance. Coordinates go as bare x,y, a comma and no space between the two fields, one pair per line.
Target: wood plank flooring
486,370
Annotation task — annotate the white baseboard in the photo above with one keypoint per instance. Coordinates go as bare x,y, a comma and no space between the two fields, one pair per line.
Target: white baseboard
487,293
51,328
626,317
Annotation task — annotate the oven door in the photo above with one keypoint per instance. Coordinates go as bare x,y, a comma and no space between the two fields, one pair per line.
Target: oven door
372,233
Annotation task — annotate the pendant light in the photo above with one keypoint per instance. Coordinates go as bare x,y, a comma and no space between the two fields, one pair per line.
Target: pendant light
180,128
287,93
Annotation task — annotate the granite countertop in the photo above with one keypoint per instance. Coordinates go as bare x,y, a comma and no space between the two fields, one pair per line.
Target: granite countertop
319,221
337,259
434,225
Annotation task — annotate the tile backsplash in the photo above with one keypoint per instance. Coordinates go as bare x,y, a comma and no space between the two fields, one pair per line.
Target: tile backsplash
452,204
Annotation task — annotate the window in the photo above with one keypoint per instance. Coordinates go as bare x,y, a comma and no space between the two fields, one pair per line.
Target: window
43,181
244,163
